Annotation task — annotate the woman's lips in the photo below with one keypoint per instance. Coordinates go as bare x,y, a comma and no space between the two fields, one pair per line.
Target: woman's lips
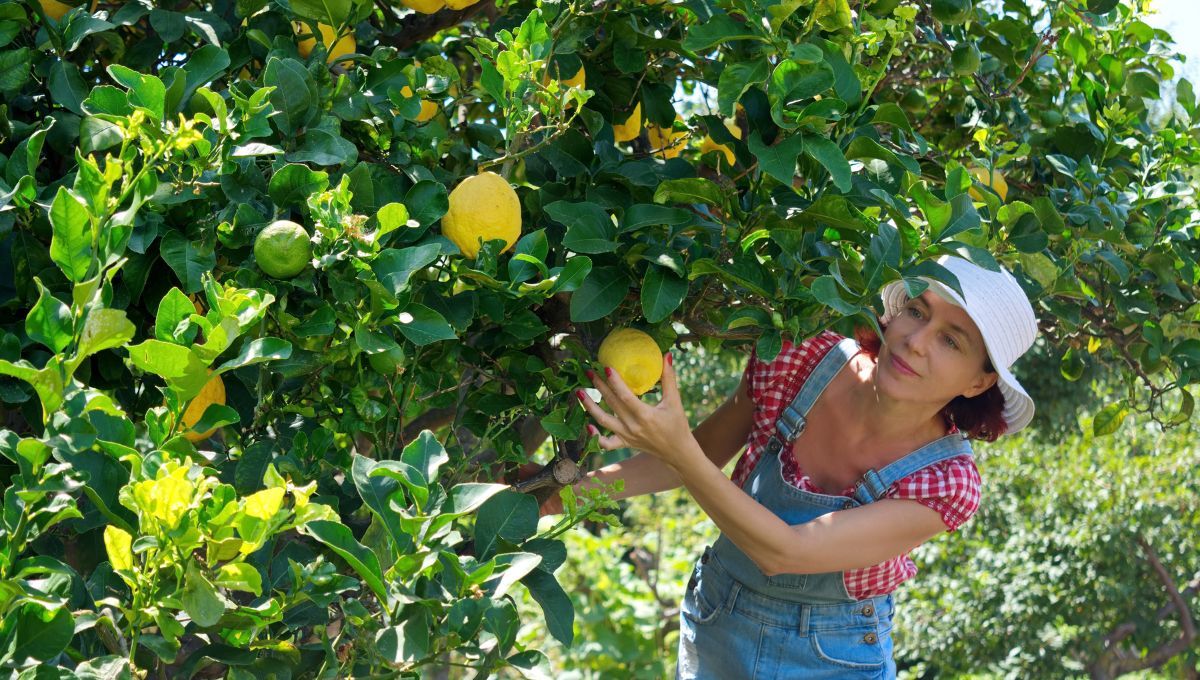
902,367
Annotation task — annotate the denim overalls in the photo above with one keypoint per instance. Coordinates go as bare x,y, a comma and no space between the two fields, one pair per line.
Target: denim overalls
739,623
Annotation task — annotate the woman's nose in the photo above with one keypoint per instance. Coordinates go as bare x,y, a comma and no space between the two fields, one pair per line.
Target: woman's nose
918,340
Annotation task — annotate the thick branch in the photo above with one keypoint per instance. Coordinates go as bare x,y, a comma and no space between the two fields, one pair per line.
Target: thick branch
416,28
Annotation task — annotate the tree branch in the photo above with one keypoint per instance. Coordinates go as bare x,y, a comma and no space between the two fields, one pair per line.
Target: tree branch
416,28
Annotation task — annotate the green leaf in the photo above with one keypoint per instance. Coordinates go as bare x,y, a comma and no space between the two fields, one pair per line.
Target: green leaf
1109,419
200,599
204,65
67,87
294,98
835,211
556,605
779,160
425,454
42,633
508,516
252,466
104,329
689,190
427,202
390,217
258,351
572,274
49,321
792,81
825,290
14,68
829,155
71,243
511,567
963,217
423,326
292,184
334,13
324,147
832,15
662,293
718,30
215,416
883,255
190,260
395,267
172,362
98,134
736,79
645,214
602,291
589,228
145,91
407,642
239,576
173,309
1071,367
375,492
339,539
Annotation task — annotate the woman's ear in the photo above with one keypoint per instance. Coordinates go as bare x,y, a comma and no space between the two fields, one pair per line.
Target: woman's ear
982,384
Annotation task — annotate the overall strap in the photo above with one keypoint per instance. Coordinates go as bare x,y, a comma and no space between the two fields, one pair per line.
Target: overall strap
874,484
793,419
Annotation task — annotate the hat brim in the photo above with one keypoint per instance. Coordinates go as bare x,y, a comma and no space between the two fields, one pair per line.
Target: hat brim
1018,405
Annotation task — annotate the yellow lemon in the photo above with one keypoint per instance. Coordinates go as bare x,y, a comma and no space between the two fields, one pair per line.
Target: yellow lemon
988,178
631,128
708,144
634,356
213,392
424,6
54,9
666,142
482,208
460,4
346,45
428,109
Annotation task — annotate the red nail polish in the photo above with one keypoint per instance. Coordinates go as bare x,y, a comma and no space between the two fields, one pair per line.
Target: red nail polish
591,375
581,396
670,359
592,430
608,371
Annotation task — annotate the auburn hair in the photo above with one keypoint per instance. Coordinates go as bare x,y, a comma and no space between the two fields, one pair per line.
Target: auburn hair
980,417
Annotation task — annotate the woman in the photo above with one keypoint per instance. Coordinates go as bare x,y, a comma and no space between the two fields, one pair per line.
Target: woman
845,472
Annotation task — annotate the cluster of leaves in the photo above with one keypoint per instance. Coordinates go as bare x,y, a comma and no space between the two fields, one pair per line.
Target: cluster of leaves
144,148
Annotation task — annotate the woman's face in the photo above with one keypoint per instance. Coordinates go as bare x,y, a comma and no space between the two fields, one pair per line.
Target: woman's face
932,352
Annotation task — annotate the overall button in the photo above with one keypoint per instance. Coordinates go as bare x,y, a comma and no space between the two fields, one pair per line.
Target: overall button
870,638
868,611
847,504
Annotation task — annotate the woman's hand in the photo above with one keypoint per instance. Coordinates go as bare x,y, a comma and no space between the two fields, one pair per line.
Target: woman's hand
661,430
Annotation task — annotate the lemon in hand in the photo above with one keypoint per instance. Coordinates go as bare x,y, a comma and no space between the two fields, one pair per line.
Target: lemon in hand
635,357
482,208
283,249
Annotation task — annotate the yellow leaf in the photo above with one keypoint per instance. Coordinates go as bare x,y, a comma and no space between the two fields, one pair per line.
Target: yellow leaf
264,504
118,543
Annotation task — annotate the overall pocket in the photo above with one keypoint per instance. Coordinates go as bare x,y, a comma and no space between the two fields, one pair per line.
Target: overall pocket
862,648
707,594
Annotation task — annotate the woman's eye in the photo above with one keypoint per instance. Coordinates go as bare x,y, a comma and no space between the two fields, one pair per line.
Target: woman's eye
950,341
914,312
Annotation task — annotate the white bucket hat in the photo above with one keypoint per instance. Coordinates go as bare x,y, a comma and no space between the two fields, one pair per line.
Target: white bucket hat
1001,311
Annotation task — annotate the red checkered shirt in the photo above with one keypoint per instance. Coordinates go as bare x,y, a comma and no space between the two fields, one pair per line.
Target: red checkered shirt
951,487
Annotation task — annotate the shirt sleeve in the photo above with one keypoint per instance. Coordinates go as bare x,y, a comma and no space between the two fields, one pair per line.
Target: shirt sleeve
951,487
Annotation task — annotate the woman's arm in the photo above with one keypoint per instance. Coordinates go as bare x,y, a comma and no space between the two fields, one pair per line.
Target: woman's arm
720,436
846,539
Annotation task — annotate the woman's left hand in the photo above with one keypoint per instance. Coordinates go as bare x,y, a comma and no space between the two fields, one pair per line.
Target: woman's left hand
661,429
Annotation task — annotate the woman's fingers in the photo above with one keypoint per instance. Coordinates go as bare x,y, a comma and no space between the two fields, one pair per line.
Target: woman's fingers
609,442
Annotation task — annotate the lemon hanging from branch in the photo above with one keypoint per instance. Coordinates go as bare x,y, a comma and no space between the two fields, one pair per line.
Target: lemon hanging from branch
482,208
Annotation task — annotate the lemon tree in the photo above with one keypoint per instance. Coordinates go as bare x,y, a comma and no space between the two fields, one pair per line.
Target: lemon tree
399,233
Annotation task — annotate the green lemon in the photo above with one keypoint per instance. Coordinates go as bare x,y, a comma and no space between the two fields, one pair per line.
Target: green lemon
965,58
914,101
282,249
952,11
